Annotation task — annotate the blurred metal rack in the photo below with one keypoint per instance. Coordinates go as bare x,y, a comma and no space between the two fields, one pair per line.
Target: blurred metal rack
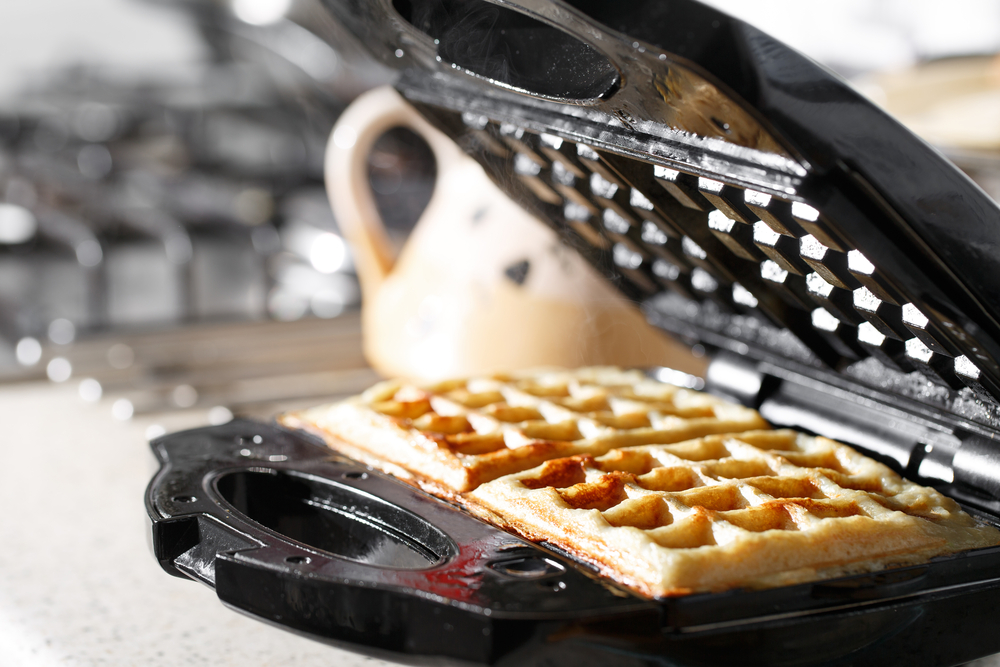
241,369
167,243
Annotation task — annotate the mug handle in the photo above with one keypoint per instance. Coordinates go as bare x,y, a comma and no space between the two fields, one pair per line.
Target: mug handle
346,172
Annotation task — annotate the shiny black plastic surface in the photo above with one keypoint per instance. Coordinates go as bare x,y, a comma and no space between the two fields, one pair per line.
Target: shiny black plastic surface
334,519
293,534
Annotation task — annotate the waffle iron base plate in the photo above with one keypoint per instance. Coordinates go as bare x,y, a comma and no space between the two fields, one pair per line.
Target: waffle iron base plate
293,534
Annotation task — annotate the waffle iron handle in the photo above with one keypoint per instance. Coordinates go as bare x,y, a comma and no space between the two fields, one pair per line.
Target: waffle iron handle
259,493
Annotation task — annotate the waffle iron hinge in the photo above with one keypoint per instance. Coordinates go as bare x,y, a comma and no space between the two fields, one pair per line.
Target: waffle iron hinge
926,447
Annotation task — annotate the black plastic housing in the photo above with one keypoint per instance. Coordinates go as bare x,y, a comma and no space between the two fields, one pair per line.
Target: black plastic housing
263,515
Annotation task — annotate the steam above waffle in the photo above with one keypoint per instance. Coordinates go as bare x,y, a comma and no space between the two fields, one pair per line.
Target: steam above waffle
667,490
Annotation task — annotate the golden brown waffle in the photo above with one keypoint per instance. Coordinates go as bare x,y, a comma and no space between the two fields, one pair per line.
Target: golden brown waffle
453,436
757,509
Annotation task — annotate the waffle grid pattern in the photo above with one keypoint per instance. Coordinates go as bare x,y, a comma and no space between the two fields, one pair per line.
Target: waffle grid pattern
759,508
743,250
458,434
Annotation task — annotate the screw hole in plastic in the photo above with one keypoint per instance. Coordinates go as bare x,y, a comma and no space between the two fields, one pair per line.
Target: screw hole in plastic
530,567
184,499
355,475
298,560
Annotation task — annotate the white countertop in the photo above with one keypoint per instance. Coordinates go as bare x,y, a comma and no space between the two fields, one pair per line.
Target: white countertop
78,581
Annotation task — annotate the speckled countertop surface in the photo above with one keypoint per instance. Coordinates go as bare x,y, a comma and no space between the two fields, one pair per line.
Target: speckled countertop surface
78,582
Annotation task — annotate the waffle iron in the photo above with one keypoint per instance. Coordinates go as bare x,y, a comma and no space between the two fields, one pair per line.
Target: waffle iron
841,275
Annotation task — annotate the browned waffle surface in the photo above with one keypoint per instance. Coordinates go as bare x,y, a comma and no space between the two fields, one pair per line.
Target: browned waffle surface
455,435
757,509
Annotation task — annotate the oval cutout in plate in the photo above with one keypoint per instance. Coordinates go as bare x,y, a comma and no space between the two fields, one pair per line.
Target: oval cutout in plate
512,49
335,519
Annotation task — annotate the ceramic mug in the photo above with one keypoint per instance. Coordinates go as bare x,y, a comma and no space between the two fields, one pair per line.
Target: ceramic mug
480,285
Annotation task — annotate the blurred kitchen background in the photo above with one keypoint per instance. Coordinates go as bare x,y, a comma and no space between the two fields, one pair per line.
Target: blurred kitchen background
166,242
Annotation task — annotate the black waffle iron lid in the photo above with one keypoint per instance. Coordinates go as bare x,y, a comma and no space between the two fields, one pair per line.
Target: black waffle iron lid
751,201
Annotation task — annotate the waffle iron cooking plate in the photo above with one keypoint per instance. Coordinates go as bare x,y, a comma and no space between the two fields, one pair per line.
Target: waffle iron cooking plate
841,275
